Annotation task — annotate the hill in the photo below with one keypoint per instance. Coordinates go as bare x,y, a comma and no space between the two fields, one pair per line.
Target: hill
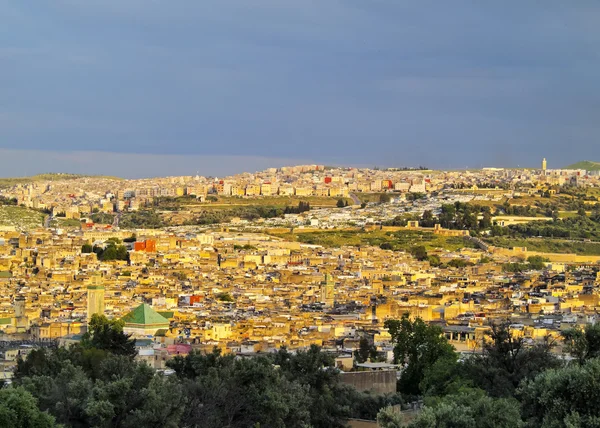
587,165
20,218
12,181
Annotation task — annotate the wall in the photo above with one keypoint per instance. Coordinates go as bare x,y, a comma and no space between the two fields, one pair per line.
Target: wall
380,382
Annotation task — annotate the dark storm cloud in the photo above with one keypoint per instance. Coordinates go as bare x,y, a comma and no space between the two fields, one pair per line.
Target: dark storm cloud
381,82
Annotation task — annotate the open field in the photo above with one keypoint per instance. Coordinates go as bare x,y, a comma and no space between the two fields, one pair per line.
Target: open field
20,218
401,240
227,202
548,245
65,223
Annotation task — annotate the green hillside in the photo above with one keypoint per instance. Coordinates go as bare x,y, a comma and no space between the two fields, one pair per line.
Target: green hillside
587,165
20,218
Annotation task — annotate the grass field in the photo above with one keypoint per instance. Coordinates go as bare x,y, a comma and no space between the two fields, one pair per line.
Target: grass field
227,202
401,240
19,217
65,223
547,245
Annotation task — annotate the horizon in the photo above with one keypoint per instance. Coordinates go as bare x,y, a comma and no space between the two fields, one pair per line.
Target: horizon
226,85
278,166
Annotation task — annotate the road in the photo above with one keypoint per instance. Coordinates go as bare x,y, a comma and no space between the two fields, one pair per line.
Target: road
115,224
47,221
355,199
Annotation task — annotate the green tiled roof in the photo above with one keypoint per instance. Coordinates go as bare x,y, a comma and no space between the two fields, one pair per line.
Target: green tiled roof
167,314
5,274
144,315
4,321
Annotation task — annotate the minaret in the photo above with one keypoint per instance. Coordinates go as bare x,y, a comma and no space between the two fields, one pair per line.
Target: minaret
327,290
374,320
544,165
95,303
21,320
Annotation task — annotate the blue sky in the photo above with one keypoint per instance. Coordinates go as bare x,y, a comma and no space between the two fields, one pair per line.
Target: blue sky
153,87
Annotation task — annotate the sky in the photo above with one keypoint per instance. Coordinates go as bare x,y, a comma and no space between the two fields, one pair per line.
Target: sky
141,88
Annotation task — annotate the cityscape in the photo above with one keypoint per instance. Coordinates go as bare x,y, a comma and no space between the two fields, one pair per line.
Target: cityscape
299,214
300,257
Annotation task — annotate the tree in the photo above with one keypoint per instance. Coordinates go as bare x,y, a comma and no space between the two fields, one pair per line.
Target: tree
419,252
537,262
417,346
222,391
564,397
108,335
365,351
18,408
87,248
340,203
470,409
583,344
384,198
506,360
115,392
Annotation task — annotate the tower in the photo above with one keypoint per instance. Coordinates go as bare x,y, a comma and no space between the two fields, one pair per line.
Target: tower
95,303
327,290
21,320
374,320
544,165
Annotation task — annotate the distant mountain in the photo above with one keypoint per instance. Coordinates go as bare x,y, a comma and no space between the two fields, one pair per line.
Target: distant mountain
587,165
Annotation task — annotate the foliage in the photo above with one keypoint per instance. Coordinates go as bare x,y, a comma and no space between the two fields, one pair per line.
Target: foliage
102,218
108,335
417,346
83,388
366,351
402,240
281,390
583,344
87,248
8,201
471,408
384,198
419,252
112,251
18,408
506,360
564,397
148,219
224,297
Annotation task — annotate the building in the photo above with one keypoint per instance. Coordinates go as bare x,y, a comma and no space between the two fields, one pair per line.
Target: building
21,320
95,303
327,290
144,321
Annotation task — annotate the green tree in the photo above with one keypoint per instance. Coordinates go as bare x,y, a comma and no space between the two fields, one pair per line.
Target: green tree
340,203
564,397
506,360
18,408
222,391
384,198
470,409
417,346
87,248
419,252
108,335
583,344
537,262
